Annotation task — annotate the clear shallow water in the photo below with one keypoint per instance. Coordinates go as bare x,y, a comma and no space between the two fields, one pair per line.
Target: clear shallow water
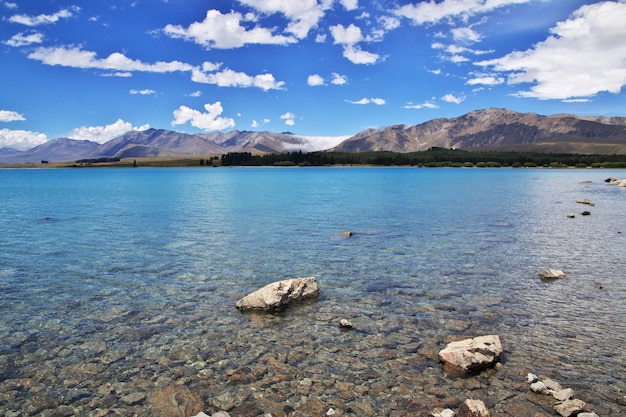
119,282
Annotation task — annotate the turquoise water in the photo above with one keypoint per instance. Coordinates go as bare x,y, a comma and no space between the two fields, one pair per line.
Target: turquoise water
129,277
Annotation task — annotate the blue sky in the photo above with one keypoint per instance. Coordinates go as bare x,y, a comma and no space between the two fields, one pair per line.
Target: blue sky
96,69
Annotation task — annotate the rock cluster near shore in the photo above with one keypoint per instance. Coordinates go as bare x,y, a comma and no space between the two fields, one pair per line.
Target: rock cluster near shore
566,405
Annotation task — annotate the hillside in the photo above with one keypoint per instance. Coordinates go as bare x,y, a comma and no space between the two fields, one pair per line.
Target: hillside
498,129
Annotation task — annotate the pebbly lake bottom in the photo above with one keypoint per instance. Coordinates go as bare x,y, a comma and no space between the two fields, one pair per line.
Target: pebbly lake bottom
117,290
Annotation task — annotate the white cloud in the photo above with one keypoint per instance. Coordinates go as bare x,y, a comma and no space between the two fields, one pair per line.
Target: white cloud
349,37
209,121
20,139
10,5
196,93
486,80
44,19
451,98
21,39
467,35
429,104
350,4
389,22
302,14
230,78
315,143
289,118
365,100
143,92
357,56
346,35
584,56
10,116
254,124
225,31
77,58
430,12
102,134
315,80
339,79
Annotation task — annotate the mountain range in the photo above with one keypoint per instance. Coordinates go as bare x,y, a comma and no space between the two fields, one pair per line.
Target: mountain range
487,129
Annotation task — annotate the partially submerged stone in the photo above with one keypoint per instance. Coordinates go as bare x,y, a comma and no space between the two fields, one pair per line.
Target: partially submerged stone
473,408
472,355
585,201
570,407
279,294
550,274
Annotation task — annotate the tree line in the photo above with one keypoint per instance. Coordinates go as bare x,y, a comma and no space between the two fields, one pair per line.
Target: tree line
433,157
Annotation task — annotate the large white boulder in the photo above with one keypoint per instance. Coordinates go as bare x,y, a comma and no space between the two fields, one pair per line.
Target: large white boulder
472,355
279,294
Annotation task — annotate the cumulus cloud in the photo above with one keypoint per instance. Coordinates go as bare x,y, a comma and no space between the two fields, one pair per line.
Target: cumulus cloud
365,100
102,134
289,118
230,78
208,121
22,39
76,57
315,80
226,31
20,140
338,79
349,37
196,93
428,12
10,116
143,92
584,56
44,19
451,98
302,14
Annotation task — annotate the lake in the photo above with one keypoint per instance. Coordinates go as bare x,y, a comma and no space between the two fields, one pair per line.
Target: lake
118,289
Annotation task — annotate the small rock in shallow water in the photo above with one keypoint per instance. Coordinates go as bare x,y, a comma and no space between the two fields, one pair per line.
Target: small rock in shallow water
585,201
570,407
539,387
550,274
532,378
345,324
553,385
473,408
564,394
621,400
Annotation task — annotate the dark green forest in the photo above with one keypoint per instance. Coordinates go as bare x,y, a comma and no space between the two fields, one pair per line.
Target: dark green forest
434,157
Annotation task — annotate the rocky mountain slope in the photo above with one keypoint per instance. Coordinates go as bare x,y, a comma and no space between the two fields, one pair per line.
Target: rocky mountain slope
493,129
496,129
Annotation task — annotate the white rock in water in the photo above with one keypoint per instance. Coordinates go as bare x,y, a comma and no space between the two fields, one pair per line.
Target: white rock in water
279,294
472,354
532,378
549,274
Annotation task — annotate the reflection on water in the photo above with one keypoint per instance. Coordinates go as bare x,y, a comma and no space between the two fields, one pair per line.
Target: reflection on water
117,289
